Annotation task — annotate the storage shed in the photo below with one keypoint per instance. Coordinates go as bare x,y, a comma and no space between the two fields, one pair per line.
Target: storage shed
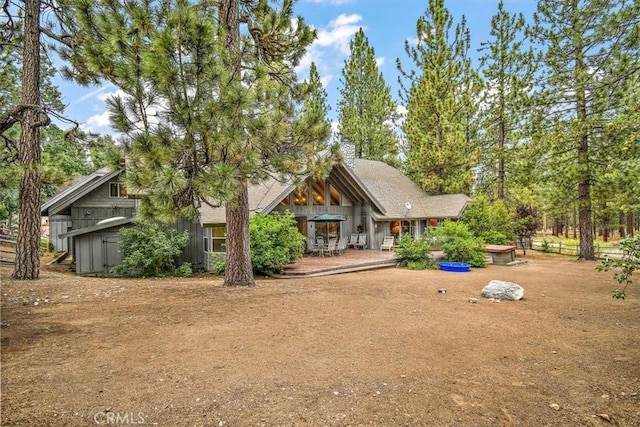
97,248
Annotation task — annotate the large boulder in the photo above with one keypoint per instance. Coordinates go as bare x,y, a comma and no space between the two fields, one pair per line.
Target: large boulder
499,289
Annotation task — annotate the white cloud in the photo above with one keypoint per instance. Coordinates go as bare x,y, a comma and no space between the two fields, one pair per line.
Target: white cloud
96,123
326,79
380,61
339,33
330,48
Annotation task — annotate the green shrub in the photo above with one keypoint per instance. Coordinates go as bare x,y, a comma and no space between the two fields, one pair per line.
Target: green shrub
495,238
275,242
414,253
625,267
151,250
490,219
217,263
459,244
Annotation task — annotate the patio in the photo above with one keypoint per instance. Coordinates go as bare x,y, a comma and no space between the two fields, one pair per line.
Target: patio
351,260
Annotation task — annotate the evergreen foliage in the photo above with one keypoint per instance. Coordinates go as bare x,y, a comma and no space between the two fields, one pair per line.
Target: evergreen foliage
507,67
367,111
440,104
207,109
590,56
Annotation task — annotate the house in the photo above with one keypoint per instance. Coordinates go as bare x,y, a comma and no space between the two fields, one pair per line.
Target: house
370,197
367,197
84,220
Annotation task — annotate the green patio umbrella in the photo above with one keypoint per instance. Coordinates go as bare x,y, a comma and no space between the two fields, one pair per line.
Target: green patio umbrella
328,218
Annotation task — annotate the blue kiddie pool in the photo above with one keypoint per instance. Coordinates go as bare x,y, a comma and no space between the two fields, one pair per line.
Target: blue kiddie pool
457,267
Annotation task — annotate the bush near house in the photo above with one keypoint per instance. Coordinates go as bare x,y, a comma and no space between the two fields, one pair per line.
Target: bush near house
275,242
490,221
414,253
459,244
151,250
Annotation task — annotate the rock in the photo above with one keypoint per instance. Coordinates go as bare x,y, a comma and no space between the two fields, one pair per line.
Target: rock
473,300
499,289
555,406
605,417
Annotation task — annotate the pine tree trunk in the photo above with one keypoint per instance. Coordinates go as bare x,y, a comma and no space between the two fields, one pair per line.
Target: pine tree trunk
630,225
587,251
621,225
28,246
501,174
239,271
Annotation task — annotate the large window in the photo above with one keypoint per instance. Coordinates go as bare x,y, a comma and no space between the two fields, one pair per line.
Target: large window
286,201
117,189
318,192
219,238
321,193
334,196
300,195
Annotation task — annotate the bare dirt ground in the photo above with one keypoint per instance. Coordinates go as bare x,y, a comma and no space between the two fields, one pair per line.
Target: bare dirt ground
380,348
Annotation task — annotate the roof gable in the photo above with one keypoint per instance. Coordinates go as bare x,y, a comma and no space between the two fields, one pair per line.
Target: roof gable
79,189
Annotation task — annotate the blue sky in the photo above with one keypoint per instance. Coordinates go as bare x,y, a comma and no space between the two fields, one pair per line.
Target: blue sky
387,24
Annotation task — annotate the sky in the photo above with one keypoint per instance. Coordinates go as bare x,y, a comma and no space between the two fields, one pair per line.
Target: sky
386,23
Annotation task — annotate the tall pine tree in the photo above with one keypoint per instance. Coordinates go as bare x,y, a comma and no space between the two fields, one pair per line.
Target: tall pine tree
366,110
507,68
440,104
212,103
590,50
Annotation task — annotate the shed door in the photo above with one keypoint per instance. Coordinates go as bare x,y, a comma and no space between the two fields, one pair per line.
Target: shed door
112,254
88,255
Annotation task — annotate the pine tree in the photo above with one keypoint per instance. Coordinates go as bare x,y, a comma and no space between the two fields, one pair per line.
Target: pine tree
440,104
21,28
210,108
590,49
366,110
507,69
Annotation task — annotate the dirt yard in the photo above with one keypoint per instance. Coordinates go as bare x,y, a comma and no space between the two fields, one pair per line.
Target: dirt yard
379,348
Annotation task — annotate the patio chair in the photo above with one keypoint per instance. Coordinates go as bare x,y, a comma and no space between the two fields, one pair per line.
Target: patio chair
331,247
342,246
353,241
387,243
313,248
362,241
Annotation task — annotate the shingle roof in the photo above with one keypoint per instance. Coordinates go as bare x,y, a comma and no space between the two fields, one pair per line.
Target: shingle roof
78,189
389,189
262,198
393,191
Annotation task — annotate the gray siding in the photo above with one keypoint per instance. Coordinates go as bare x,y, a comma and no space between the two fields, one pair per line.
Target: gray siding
59,224
97,253
97,205
194,252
